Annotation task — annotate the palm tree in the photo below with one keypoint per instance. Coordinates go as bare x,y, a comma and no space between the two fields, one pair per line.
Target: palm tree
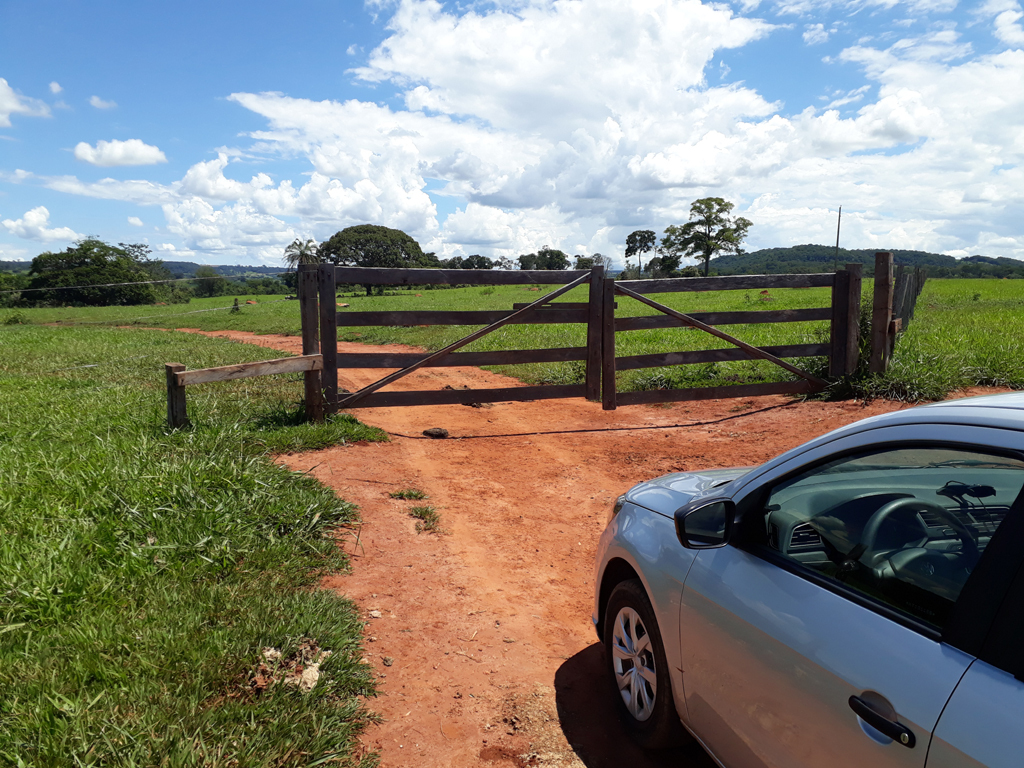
301,252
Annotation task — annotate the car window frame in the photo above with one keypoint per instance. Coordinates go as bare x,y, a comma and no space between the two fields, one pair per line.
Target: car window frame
966,630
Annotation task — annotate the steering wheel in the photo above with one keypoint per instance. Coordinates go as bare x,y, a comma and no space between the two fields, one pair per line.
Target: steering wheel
916,559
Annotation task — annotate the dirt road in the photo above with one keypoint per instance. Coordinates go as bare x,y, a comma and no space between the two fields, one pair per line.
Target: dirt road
482,636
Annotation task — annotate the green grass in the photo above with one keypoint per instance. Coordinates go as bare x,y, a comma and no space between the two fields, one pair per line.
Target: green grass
427,519
408,493
964,333
142,571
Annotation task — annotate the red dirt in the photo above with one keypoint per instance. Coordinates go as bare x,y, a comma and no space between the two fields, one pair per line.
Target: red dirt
484,647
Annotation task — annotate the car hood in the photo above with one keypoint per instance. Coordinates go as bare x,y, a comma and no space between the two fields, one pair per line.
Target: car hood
667,494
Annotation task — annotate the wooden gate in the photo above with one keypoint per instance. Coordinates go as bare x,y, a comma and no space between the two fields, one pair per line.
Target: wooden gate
542,310
842,348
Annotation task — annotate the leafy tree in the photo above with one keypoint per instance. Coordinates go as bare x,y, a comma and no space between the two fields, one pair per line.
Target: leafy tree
476,261
371,245
711,230
12,281
584,262
210,282
545,258
97,267
504,263
639,242
301,252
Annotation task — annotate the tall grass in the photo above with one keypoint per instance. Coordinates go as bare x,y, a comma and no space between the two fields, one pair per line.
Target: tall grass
142,571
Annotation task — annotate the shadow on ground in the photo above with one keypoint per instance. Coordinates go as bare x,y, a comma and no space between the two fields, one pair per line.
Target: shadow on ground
586,712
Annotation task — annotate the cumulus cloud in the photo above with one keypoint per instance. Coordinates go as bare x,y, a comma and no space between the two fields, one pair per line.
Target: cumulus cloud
816,34
99,103
55,87
116,152
34,226
13,103
135,221
570,124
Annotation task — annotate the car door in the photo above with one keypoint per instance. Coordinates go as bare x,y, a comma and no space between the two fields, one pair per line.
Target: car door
980,725
800,634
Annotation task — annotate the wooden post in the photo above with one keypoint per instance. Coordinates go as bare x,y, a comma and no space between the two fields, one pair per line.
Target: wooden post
853,324
840,324
608,394
881,313
177,416
329,335
309,314
594,330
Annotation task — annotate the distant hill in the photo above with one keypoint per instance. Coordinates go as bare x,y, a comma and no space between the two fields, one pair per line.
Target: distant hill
822,258
188,269
15,266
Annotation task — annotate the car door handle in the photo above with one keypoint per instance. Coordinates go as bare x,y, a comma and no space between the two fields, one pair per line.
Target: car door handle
895,731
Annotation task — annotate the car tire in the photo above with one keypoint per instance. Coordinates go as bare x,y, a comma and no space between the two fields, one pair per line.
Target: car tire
638,669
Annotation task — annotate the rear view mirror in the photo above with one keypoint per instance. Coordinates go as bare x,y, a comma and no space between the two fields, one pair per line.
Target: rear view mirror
705,524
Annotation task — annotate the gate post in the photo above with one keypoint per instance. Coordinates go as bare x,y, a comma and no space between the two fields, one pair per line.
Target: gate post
309,315
845,353
594,330
881,313
608,394
329,335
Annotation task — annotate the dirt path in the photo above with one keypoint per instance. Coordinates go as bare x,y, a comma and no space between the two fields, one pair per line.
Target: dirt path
482,636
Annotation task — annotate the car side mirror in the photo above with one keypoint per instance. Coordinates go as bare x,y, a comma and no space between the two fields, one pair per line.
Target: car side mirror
705,524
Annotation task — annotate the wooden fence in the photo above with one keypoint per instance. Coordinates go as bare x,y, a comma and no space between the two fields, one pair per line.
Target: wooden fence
894,299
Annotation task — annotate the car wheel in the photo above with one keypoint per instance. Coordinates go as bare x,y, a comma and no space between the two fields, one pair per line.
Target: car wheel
636,657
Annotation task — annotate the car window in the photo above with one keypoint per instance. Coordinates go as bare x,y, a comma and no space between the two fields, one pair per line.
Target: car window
905,526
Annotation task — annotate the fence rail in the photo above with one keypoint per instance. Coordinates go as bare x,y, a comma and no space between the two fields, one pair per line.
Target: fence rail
894,299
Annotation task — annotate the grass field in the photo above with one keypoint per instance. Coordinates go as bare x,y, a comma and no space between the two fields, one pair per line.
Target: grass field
965,332
142,572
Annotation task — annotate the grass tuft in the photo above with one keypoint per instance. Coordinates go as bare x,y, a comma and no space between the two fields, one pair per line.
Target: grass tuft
427,518
408,493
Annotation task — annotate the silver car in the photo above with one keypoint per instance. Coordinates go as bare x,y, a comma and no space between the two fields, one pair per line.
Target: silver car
857,601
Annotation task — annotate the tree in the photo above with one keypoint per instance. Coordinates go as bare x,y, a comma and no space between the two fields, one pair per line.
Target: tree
545,258
504,263
301,252
88,273
476,261
584,262
210,282
639,242
371,245
710,231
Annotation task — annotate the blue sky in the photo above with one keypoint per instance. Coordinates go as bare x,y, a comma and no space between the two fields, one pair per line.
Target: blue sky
220,132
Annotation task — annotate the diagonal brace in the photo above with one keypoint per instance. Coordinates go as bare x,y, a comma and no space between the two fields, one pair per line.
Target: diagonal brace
371,388
750,350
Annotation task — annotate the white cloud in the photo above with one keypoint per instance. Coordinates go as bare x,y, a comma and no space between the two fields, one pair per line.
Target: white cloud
816,34
135,221
34,226
13,103
116,152
99,103
1007,27
55,87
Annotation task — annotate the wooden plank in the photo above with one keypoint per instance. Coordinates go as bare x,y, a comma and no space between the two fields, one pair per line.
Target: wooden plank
853,323
309,315
362,393
881,313
633,362
608,324
594,307
752,350
382,276
729,283
295,364
713,393
467,396
726,318
177,414
839,330
478,317
328,334
497,357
